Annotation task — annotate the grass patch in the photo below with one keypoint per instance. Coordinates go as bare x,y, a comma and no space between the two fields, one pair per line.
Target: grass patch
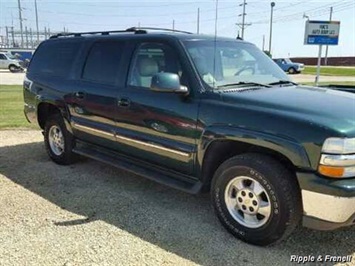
330,71
11,107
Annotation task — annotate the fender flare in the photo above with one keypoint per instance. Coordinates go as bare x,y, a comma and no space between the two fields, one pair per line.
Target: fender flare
287,147
57,103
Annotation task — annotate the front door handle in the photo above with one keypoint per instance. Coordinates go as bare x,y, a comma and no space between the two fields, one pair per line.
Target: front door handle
79,95
124,102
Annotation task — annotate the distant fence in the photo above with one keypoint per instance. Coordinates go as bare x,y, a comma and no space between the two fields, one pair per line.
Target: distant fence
332,61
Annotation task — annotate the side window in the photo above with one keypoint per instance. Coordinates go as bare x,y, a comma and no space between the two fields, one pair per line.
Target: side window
102,63
2,57
150,59
55,58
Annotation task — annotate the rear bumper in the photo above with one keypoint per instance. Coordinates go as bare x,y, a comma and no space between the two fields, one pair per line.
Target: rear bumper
327,203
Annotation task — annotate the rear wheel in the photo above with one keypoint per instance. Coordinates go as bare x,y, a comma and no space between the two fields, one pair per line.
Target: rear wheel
59,141
256,199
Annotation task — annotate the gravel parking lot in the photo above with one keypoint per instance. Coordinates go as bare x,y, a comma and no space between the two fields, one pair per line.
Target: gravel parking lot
93,214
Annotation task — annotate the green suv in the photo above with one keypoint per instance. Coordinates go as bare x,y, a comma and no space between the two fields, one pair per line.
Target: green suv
200,113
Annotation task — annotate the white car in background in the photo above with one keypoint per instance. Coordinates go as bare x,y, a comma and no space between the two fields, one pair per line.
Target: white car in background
10,62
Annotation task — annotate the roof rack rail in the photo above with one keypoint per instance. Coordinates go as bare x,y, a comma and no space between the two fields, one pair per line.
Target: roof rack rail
158,29
135,30
78,34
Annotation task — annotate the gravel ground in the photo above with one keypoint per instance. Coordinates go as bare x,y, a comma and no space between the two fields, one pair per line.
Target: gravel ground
93,214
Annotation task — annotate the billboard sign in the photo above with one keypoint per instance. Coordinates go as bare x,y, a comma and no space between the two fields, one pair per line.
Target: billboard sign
322,32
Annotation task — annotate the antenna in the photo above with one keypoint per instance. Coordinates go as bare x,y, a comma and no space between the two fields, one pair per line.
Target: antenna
215,44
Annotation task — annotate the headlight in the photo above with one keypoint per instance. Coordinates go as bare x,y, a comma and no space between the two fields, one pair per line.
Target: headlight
338,158
339,146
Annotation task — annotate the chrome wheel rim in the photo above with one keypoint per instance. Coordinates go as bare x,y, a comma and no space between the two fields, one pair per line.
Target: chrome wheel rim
56,140
247,202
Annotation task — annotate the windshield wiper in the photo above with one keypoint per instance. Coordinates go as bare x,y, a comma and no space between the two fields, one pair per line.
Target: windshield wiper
281,82
242,83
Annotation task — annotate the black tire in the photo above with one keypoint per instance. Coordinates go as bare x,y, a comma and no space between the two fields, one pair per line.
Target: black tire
13,68
67,156
280,186
291,70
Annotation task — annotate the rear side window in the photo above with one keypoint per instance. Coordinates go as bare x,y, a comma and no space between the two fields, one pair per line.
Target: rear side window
54,58
103,62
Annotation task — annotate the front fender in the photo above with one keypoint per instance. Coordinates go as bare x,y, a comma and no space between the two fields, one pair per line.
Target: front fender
289,148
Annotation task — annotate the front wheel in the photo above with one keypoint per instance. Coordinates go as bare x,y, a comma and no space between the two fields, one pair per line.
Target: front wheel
13,68
291,70
59,141
256,199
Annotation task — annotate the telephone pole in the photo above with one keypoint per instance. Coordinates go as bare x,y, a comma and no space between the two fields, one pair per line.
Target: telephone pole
243,25
326,48
20,17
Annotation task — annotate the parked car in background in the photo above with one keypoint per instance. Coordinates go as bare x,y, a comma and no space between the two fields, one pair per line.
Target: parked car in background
8,61
288,66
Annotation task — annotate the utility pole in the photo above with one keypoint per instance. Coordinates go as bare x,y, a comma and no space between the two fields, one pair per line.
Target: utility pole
326,48
13,36
7,37
26,35
31,38
198,20
272,12
243,25
263,42
37,21
173,24
20,17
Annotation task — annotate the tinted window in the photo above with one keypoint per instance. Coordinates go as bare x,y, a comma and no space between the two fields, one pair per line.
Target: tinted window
103,62
55,58
2,56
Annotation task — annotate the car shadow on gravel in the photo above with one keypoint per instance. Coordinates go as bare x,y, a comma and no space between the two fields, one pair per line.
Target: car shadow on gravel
175,221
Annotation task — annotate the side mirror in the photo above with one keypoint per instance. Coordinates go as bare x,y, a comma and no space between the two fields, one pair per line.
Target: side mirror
167,82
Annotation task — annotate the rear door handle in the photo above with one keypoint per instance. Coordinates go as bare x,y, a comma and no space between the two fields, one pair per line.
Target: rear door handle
124,102
79,95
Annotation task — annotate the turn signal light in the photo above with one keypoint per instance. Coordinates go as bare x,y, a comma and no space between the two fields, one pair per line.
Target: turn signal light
331,171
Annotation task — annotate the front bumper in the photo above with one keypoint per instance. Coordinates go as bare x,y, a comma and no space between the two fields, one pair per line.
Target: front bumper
327,203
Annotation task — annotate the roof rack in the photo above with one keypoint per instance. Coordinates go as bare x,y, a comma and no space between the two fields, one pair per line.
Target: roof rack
157,29
135,30
78,34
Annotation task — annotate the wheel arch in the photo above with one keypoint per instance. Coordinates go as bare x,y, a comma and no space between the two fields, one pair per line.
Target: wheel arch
213,153
45,109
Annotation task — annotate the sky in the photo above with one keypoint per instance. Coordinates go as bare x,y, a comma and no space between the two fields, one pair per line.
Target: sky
288,19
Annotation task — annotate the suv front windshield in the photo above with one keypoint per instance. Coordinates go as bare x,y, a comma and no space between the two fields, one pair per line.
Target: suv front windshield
224,63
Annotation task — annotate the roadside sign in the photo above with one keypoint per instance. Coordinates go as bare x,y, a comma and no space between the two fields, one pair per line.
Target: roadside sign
322,32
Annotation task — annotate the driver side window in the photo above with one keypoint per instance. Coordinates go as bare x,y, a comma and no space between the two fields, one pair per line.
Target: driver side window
150,59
